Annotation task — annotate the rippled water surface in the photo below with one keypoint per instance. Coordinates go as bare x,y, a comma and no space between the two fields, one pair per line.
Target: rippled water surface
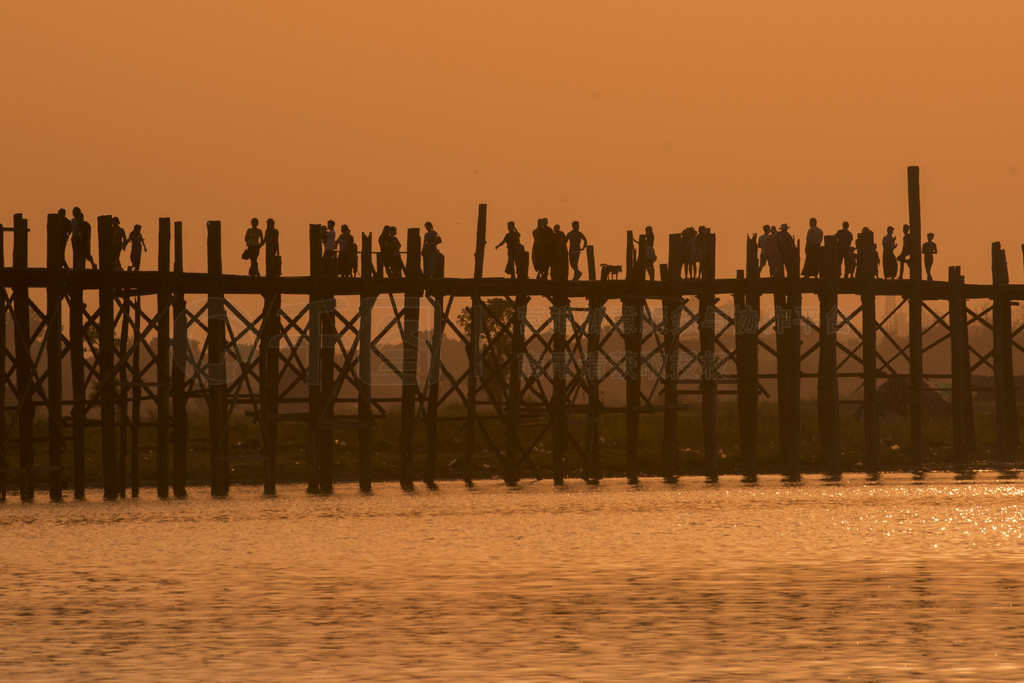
770,582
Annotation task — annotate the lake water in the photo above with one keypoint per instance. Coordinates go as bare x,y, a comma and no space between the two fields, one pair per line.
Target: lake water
897,581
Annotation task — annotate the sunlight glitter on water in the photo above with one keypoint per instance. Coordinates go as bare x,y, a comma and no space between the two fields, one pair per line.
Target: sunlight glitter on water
859,581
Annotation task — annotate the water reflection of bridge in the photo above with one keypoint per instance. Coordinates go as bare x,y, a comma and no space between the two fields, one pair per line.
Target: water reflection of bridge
534,358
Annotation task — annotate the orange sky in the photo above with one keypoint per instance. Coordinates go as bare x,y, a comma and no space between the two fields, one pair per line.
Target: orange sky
730,114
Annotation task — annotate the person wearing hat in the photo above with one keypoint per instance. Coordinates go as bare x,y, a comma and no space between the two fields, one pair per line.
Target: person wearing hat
929,249
787,245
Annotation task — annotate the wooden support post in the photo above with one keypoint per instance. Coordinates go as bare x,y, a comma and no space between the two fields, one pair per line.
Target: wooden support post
314,370
709,363
630,256
136,400
787,331
747,320
54,370
163,360
670,315
1002,361
828,382
122,387
472,375
108,414
867,271
270,377
915,311
366,255
3,372
591,461
631,322
410,358
327,392
23,364
513,452
179,401
959,366
433,388
481,243
216,319
591,265
365,392
559,412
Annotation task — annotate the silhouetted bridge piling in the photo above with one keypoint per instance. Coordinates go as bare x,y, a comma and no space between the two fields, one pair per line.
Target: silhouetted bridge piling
102,348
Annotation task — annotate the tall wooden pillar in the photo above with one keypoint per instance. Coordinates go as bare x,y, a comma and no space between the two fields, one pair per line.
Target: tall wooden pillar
591,461
513,451
54,370
179,400
23,364
433,391
559,413
163,360
828,382
631,322
472,375
1002,360
867,272
960,367
670,315
270,372
314,388
410,357
3,372
709,364
217,377
365,392
915,311
747,319
108,415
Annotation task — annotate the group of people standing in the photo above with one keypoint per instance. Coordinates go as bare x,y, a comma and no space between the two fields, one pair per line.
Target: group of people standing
554,251
778,250
256,239
78,232
341,256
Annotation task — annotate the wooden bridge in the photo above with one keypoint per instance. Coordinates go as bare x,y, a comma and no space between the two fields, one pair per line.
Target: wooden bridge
339,354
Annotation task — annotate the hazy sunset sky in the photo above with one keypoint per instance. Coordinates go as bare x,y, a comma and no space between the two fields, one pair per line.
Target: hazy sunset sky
728,114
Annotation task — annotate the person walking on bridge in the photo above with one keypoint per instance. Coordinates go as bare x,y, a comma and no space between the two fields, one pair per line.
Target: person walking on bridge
431,256
929,249
577,245
138,244
812,249
272,243
253,242
844,249
889,264
514,246
81,241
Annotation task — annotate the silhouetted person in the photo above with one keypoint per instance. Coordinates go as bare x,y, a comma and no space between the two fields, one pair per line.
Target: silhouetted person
329,261
889,263
812,249
81,240
688,252
347,255
65,230
577,245
703,247
929,249
560,255
390,259
867,254
904,257
773,249
119,240
431,256
645,256
272,243
844,249
787,245
762,247
514,247
543,248
253,242
138,244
